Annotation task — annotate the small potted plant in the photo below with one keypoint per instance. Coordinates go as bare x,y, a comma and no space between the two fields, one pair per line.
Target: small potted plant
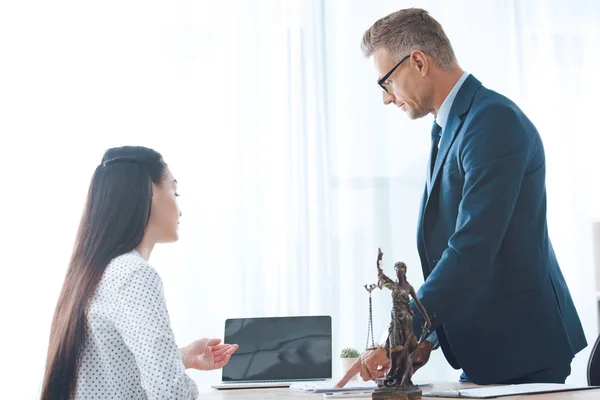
348,357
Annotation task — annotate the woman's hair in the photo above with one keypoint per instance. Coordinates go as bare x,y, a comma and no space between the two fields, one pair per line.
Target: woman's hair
114,219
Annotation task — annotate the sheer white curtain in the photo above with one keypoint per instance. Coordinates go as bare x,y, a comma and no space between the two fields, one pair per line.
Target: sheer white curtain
291,171
255,240
558,57
232,94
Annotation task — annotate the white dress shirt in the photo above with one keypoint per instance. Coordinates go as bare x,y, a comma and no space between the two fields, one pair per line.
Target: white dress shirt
130,350
444,111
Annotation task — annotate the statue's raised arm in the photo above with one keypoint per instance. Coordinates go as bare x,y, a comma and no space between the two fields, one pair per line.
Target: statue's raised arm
383,281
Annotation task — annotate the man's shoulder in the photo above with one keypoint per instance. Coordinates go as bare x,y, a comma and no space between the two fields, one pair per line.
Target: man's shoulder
494,119
486,100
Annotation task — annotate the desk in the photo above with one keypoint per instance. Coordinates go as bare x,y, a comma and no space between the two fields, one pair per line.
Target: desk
285,393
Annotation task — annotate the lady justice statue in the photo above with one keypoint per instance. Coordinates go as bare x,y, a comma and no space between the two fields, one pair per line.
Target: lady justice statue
402,342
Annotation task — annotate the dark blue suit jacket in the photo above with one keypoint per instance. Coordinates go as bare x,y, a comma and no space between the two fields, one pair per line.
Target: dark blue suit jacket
502,307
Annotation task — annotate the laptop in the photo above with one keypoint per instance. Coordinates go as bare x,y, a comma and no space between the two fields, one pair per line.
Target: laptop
277,351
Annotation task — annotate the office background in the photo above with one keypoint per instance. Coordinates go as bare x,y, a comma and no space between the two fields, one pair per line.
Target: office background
291,170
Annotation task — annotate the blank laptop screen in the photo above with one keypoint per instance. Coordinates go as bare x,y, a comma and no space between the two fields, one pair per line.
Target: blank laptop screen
280,348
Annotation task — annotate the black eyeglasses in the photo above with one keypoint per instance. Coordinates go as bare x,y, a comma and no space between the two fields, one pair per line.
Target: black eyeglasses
386,76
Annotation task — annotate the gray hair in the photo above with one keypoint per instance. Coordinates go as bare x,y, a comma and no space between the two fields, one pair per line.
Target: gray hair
406,30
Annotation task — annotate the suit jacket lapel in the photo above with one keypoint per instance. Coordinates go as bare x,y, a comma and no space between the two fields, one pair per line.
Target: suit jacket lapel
449,134
420,235
461,105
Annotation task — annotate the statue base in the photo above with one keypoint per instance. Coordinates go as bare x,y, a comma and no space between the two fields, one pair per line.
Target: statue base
410,392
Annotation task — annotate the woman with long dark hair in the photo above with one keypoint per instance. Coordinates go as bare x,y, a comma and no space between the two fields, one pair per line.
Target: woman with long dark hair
111,336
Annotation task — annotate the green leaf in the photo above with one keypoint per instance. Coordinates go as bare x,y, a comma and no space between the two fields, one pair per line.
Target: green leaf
349,352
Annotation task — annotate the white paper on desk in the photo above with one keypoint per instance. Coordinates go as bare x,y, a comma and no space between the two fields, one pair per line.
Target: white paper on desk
327,387
508,390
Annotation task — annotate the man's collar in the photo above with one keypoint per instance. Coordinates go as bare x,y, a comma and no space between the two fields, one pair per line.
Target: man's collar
442,116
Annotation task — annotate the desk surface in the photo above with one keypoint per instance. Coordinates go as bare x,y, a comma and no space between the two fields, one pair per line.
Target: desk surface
284,393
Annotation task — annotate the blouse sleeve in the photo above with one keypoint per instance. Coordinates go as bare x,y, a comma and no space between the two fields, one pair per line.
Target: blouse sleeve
142,319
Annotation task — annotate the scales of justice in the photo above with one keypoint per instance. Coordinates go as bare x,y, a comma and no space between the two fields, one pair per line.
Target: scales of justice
401,344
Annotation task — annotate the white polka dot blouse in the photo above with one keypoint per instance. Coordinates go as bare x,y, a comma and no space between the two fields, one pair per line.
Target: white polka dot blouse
130,350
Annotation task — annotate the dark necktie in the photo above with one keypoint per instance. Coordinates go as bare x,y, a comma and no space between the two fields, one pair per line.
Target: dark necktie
435,141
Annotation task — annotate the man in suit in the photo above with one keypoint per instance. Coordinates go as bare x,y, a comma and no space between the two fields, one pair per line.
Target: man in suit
502,310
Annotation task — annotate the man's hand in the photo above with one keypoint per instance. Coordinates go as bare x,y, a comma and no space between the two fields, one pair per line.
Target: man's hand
422,355
371,364
207,354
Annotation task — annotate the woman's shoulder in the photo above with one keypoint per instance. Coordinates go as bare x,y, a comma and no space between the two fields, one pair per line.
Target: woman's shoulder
123,269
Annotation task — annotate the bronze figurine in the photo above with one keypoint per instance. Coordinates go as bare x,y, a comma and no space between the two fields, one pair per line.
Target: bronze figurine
402,342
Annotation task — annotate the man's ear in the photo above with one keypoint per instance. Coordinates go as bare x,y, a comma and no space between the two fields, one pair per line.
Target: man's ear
420,62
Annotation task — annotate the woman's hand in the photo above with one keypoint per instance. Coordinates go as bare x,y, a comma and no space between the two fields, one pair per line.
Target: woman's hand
207,354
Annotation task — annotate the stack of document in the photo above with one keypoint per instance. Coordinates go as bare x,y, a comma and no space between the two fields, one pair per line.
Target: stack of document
328,387
508,390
